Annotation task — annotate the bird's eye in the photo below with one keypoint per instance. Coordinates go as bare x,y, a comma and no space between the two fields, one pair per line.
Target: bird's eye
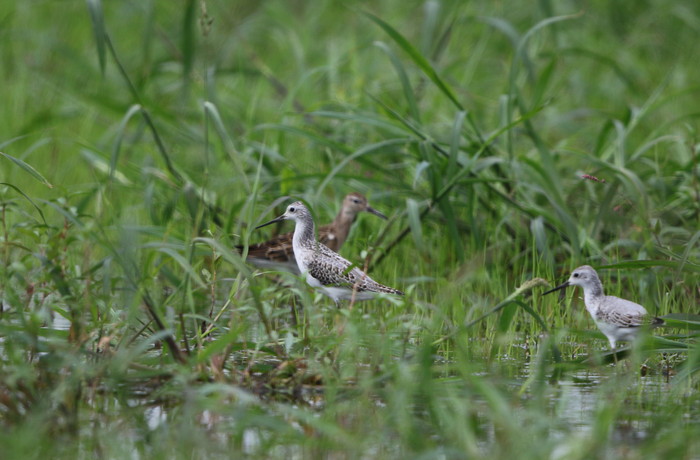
292,209
575,275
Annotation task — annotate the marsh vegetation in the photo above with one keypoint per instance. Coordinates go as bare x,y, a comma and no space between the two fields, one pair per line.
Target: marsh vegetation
507,142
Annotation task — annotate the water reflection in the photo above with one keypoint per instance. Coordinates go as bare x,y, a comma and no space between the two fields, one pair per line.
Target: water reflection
569,407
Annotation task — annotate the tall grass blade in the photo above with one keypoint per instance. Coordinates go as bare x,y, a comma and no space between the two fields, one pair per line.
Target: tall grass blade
98,29
414,223
18,190
146,115
687,253
684,266
403,78
189,20
107,169
212,113
119,139
28,169
417,58
184,263
67,214
367,149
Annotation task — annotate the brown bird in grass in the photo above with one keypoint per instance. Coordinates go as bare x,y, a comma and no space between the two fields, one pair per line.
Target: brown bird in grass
278,253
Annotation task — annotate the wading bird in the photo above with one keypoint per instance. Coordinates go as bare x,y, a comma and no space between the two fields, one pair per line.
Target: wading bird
278,253
618,319
323,268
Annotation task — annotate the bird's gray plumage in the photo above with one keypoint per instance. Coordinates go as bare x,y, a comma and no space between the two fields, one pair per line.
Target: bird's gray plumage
617,318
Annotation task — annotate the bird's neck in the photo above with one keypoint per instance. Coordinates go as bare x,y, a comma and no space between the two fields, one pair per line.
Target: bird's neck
592,297
341,225
303,234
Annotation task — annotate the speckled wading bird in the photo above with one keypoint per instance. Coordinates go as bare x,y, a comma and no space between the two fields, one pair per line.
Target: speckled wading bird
323,268
278,252
618,319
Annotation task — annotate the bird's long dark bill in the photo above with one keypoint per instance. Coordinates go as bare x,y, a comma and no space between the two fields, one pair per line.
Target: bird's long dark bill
561,286
370,209
271,222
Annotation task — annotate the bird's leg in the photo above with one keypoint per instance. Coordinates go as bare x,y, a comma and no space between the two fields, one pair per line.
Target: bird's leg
354,295
613,347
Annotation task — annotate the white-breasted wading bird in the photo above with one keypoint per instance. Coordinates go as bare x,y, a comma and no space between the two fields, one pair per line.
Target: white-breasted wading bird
278,252
618,319
323,268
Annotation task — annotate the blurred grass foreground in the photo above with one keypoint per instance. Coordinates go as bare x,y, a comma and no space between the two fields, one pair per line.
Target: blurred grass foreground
508,142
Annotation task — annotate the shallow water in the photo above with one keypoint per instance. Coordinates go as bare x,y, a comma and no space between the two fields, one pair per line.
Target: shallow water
573,402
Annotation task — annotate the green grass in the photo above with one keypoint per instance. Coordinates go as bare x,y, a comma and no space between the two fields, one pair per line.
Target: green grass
141,142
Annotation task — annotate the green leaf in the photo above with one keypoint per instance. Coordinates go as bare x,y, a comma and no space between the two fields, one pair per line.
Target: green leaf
184,263
121,134
417,58
98,29
101,165
28,168
685,321
415,224
403,78
507,315
28,199
217,345
188,39
679,265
